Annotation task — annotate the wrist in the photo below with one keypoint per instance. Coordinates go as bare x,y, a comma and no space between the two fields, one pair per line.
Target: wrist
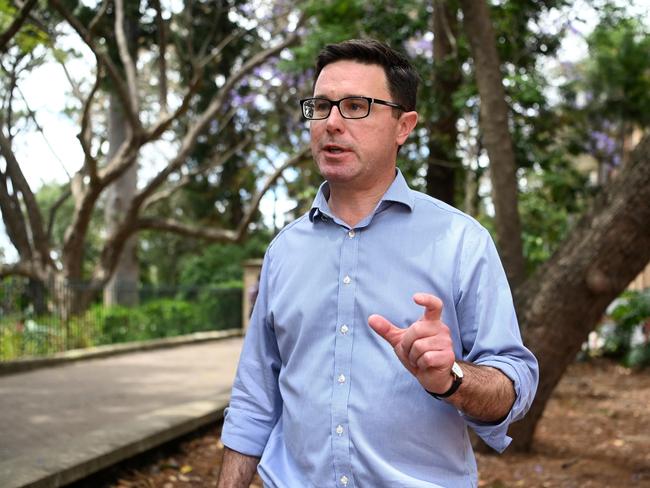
456,380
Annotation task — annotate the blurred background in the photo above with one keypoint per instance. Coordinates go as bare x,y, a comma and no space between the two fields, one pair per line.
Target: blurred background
150,150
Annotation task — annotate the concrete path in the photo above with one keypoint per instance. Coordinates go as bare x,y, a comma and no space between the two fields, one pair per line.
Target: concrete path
60,424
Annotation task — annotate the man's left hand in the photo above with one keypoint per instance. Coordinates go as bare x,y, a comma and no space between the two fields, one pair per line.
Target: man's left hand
425,347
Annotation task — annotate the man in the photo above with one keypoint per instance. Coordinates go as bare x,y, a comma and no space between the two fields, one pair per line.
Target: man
384,324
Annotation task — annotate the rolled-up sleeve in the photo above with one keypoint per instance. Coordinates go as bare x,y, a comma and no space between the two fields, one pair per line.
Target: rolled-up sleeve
490,332
255,404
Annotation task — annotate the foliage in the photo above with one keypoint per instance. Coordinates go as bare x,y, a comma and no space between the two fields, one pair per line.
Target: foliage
631,312
29,36
554,198
193,310
220,263
617,68
607,95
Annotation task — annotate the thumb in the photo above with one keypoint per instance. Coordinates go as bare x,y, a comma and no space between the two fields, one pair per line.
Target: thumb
386,329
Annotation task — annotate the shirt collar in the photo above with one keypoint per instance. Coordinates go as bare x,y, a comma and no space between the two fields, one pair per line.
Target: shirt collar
398,192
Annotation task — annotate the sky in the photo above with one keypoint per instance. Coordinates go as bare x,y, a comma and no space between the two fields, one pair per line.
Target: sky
55,155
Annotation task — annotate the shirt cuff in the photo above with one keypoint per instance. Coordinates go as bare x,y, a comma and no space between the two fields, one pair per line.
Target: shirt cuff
495,435
244,433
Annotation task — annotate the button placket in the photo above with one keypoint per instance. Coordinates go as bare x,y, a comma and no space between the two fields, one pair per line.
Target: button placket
343,357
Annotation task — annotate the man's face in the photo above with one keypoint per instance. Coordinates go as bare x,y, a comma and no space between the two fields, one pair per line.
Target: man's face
358,154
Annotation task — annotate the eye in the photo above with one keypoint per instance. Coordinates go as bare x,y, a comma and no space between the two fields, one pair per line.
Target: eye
321,105
354,106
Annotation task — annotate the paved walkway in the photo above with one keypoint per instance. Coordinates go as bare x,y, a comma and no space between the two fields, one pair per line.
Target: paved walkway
60,424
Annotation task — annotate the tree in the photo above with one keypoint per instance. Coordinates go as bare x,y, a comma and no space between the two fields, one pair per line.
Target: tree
564,299
562,302
443,163
99,172
496,136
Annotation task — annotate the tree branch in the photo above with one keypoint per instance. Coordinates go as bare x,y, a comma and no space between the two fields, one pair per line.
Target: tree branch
189,141
162,61
14,221
217,51
163,124
102,59
255,201
100,13
19,183
32,115
125,57
55,207
220,235
21,268
180,228
85,134
17,23
187,178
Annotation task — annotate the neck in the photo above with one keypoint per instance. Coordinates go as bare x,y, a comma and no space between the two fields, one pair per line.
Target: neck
352,205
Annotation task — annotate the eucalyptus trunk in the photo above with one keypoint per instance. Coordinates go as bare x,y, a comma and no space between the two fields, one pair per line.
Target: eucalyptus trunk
122,288
564,300
496,136
442,163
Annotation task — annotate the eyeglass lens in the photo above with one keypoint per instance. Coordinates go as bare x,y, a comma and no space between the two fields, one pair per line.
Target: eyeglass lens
351,108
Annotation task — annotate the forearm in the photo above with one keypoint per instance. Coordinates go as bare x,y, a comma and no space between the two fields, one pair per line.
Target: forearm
486,394
237,470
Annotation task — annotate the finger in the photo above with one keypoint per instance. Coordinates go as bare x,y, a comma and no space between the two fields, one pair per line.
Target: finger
386,329
435,360
431,303
437,343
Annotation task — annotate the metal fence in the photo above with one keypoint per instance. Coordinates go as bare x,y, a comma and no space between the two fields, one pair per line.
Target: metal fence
38,320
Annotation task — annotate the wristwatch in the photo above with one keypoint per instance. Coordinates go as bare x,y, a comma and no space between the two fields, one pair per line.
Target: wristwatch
457,375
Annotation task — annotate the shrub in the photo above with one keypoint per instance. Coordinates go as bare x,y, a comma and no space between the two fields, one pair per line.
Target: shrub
631,315
220,306
195,310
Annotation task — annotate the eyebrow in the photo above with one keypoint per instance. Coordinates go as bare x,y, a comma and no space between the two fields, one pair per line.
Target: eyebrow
344,96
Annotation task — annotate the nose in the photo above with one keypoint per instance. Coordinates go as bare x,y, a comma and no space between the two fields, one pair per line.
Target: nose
335,122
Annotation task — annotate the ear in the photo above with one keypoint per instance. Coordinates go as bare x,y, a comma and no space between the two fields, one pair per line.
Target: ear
405,126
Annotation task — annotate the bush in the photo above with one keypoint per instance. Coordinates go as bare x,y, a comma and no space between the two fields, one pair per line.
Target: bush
195,310
169,317
628,341
213,308
116,324
220,307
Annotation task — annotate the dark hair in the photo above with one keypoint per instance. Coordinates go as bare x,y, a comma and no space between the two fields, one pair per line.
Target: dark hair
401,75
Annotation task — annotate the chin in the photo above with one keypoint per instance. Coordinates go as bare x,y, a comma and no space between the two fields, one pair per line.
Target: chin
336,173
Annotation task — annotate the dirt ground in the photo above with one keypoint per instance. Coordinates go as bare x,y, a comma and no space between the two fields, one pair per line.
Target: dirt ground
595,433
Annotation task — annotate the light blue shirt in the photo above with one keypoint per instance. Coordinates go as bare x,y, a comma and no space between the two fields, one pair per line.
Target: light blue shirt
321,397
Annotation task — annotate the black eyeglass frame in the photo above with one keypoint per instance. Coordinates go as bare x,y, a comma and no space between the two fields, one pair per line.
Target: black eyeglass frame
336,103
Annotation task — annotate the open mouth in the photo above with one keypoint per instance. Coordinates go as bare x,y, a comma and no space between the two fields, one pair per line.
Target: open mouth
330,148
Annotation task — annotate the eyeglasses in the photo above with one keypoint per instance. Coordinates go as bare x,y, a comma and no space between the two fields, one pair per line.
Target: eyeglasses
349,107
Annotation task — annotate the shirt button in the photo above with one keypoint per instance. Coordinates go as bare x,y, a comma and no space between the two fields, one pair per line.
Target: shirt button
344,329
347,280
339,429
341,378
344,480
351,234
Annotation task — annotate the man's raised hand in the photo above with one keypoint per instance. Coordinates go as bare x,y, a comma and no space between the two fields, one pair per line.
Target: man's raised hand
425,347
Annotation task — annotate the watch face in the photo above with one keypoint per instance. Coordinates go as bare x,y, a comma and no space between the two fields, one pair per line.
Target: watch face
456,370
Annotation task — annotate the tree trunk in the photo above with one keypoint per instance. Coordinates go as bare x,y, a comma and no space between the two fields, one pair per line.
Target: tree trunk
122,289
443,136
496,136
562,302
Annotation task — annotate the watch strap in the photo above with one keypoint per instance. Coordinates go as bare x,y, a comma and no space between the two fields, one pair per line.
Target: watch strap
455,384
